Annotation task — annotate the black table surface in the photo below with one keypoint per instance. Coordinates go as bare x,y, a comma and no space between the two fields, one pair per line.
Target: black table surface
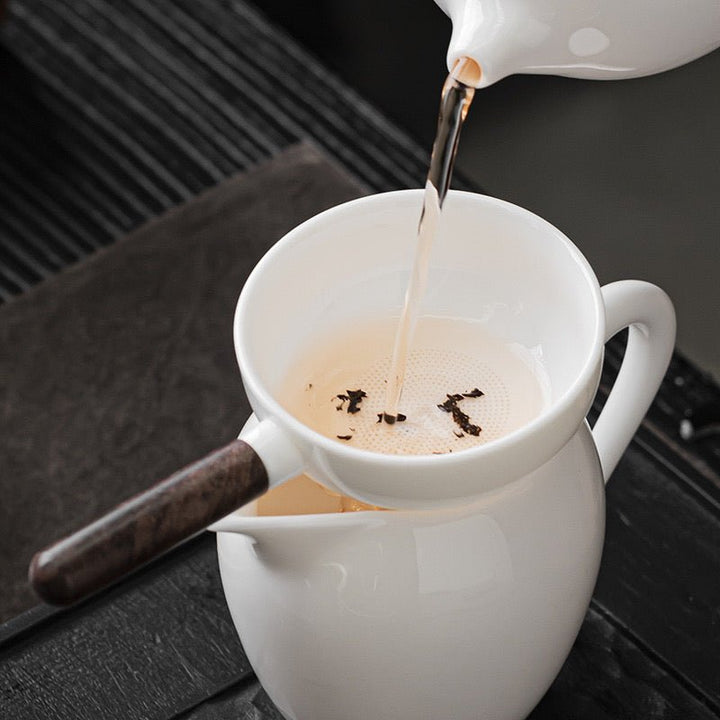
146,105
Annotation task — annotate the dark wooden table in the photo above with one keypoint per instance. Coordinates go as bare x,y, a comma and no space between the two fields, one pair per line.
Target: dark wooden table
175,96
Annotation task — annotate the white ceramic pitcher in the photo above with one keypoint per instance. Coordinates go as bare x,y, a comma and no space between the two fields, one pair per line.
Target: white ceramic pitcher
460,612
598,39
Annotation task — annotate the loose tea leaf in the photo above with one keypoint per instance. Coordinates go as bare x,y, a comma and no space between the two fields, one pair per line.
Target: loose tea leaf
391,419
461,418
474,393
353,398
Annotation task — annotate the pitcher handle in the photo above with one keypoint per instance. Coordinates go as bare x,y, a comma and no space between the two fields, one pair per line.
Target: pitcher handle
648,313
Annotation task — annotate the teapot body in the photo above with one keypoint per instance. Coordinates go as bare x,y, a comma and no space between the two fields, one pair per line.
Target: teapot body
464,612
597,39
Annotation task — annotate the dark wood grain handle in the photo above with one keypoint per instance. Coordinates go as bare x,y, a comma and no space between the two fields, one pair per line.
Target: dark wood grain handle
148,524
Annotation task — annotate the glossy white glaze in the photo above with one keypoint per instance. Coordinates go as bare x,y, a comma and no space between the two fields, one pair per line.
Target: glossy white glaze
493,263
466,612
598,39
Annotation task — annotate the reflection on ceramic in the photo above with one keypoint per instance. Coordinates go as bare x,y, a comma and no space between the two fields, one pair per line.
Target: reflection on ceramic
457,613
599,39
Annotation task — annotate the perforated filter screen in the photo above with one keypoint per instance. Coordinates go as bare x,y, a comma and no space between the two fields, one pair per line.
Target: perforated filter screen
450,357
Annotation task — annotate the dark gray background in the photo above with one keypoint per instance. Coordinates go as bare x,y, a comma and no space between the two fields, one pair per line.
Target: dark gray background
629,169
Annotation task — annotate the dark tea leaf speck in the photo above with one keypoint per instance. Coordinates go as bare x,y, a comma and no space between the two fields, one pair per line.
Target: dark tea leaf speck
473,393
355,397
461,419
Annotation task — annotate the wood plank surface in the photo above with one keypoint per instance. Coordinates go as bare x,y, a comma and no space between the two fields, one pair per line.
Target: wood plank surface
660,573
116,111
159,643
606,677
238,702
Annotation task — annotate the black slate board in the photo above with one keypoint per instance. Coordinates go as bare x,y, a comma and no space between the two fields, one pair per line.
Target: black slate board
121,370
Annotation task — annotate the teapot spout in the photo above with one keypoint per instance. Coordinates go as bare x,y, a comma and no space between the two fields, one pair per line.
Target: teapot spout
492,33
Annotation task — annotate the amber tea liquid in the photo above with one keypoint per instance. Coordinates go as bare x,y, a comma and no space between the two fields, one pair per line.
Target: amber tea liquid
448,356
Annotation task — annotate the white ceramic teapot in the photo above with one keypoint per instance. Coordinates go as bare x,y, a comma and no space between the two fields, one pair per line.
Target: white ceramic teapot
598,39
